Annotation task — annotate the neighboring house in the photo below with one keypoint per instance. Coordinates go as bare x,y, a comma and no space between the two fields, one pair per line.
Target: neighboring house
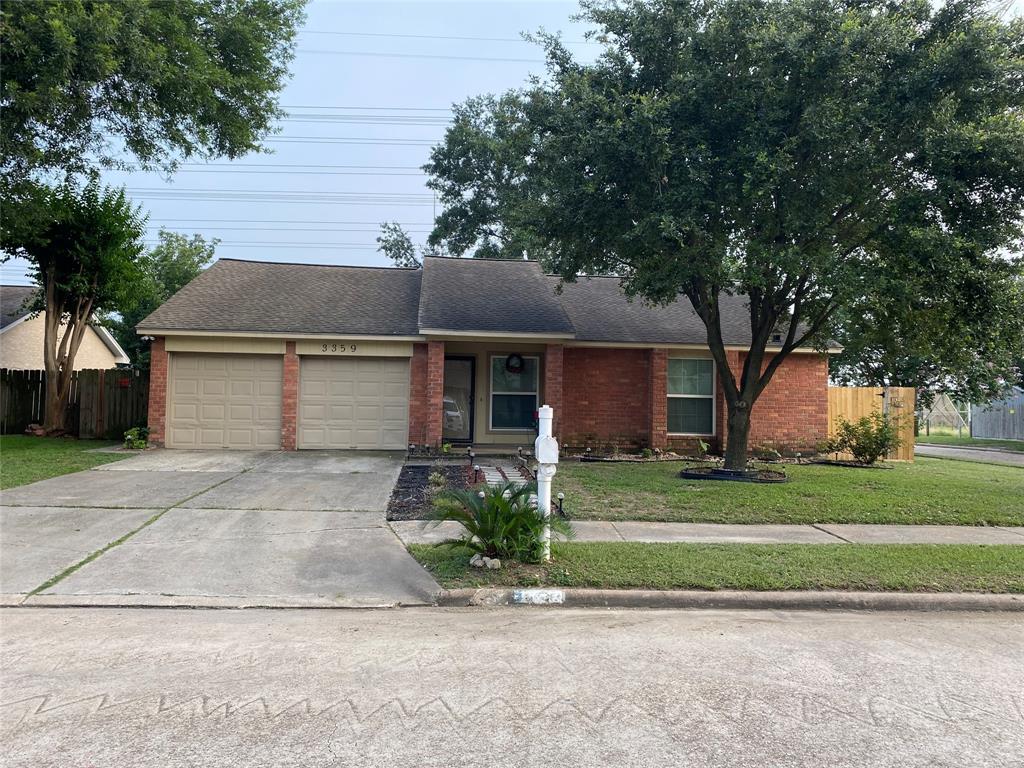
268,355
22,330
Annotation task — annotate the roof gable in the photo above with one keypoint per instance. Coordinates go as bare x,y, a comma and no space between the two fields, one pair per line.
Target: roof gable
489,296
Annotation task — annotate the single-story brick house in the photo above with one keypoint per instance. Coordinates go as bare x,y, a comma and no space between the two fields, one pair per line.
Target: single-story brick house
271,355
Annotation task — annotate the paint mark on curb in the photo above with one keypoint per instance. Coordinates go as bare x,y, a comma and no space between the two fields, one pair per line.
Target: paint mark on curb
538,596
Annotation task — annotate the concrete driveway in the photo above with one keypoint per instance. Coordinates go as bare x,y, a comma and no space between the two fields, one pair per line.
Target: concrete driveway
211,528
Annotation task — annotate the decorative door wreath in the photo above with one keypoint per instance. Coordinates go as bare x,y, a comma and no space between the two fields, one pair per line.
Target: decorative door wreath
514,363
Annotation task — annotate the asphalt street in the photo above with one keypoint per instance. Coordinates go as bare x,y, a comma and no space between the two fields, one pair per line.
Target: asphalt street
509,687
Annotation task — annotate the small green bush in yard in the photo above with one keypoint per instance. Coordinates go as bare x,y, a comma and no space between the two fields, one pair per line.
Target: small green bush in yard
869,438
136,438
500,521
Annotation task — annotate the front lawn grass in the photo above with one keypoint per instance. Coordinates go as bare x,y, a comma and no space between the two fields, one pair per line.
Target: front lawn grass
1017,446
857,567
929,491
25,459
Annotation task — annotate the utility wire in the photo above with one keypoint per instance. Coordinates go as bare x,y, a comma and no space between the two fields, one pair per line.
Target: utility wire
436,37
437,56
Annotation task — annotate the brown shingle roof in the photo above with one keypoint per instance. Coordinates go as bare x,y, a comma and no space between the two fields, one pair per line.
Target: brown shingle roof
454,295
235,295
14,302
489,295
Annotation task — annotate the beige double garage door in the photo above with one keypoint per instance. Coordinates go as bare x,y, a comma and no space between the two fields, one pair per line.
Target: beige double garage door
234,401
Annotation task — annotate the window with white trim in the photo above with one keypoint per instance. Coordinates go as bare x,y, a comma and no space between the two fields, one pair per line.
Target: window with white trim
691,396
514,394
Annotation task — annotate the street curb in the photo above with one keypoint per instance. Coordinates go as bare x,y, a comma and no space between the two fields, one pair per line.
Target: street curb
808,601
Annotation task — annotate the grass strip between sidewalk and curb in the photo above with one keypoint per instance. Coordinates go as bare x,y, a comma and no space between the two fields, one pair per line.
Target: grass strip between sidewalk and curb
53,580
755,567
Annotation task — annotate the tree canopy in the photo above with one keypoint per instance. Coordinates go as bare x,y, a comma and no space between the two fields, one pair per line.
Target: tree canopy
82,82
815,156
162,271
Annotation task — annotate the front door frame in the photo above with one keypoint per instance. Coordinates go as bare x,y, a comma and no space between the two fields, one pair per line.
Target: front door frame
472,399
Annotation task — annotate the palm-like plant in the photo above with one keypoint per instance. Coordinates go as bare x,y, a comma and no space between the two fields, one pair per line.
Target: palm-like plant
500,521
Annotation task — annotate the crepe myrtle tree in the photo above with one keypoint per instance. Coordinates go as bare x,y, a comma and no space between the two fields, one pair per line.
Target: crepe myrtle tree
802,153
82,243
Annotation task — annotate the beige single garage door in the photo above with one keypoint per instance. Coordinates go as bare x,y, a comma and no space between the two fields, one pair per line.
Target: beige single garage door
224,401
353,402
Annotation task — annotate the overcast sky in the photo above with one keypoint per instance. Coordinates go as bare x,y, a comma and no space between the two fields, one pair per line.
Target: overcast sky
375,81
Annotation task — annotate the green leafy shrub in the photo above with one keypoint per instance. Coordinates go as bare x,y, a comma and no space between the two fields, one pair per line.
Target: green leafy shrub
136,438
868,439
647,453
500,521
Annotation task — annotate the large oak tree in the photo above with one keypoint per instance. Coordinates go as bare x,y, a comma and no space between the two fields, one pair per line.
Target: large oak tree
138,82
813,155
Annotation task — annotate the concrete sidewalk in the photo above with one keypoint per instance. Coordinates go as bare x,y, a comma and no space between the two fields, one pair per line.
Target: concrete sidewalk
423,532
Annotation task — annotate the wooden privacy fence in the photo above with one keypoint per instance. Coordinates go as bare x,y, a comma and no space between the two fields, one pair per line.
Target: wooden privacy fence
852,403
1002,419
103,403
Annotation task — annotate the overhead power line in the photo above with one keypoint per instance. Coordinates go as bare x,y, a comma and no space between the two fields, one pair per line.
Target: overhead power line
293,229
379,109
435,37
365,140
438,56
296,221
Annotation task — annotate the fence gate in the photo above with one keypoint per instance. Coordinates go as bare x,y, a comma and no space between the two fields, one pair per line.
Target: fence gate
852,403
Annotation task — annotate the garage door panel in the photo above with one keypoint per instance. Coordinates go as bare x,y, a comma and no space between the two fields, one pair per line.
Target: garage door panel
353,403
224,401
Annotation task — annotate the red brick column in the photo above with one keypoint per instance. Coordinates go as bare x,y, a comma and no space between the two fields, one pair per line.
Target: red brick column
426,393
553,359
658,422
435,392
157,416
289,397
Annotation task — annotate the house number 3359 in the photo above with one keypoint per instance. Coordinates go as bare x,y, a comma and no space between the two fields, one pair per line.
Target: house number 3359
337,347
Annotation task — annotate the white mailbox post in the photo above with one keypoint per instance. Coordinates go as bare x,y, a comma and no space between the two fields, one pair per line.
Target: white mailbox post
545,448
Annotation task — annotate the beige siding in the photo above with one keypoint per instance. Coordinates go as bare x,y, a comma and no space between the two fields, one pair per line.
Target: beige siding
224,401
21,347
353,402
234,346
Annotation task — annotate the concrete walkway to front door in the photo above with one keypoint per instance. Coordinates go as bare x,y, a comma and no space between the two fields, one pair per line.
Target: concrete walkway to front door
211,528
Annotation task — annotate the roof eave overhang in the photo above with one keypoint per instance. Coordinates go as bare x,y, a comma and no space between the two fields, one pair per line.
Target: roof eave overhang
273,334
469,335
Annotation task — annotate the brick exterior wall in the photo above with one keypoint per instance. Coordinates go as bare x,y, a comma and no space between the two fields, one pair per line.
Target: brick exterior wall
157,417
792,412
289,397
619,396
426,393
606,397
554,360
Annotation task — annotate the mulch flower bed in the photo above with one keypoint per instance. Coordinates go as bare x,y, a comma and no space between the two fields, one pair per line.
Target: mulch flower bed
751,476
410,500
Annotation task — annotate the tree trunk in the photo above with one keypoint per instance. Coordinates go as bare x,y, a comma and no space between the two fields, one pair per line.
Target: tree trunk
56,406
737,435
